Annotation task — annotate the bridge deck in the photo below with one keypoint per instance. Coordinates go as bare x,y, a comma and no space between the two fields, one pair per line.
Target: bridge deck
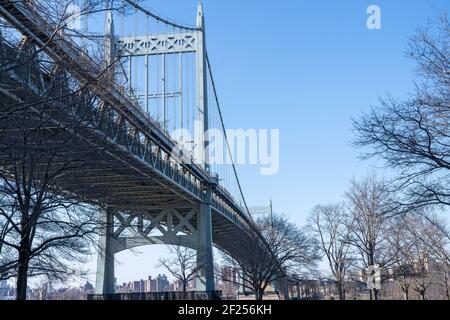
105,169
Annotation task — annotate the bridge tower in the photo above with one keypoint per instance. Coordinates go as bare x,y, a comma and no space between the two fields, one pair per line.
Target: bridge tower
167,219
105,280
204,246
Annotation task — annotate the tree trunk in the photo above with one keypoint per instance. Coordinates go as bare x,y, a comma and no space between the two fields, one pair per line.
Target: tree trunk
422,295
23,260
22,275
374,294
447,292
371,260
341,291
259,295
406,294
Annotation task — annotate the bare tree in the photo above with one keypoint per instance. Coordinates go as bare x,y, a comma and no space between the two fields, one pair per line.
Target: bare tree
371,207
327,224
183,265
413,136
400,244
44,227
41,220
423,277
262,262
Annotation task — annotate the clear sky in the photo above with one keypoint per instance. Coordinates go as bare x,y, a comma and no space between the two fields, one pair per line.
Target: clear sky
306,68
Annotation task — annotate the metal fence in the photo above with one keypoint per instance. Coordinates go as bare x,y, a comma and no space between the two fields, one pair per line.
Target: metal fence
158,296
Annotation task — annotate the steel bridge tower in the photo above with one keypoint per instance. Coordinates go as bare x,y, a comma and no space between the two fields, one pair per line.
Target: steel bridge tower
200,237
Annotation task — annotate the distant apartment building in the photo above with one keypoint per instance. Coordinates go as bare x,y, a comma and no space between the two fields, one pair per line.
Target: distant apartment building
88,288
6,291
176,286
160,284
151,285
138,286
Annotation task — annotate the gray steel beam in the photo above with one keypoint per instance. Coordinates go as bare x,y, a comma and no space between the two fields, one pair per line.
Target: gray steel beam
105,261
157,44
202,89
205,279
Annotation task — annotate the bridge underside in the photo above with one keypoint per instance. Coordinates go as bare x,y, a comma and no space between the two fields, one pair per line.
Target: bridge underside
108,153
152,210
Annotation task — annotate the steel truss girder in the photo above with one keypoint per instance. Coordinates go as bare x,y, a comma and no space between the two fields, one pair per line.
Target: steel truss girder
115,131
85,69
156,44
123,136
133,230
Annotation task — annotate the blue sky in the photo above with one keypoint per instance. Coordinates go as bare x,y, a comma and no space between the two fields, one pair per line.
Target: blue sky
306,68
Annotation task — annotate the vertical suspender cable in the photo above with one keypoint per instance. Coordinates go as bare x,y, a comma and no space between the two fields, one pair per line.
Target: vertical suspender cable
225,134
164,91
147,108
180,87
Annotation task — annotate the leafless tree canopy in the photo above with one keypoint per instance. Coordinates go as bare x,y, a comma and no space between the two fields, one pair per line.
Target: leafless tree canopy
44,228
411,247
413,136
183,265
327,224
371,206
287,248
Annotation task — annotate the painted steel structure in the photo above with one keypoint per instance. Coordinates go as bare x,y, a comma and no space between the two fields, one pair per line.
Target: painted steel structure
151,196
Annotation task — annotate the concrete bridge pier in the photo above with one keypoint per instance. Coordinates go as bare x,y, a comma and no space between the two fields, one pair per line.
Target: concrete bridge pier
105,262
205,261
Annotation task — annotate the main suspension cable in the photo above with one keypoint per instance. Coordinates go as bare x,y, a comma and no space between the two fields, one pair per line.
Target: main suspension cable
158,18
225,134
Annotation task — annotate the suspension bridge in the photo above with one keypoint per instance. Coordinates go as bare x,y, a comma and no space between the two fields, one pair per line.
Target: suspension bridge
155,82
